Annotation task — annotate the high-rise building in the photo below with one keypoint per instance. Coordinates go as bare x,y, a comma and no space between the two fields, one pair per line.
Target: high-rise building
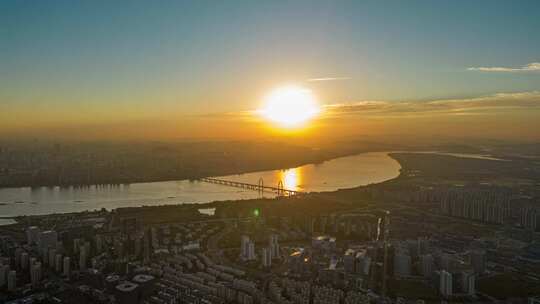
119,248
52,258
84,255
127,293
87,248
413,248
99,244
31,262
529,218
445,283
83,259
45,256
147,245
468,282
58,263
478,260
423,245
146,285
425,265
356,261
12,280
18,253
308,223
266,256
244,246
322,224
138,242
247,249
4,270
448,262
386,234
349,261
5,261
35,274
363,263
32,235
47,239
67,266
251,251
76,245
4,242
402,264
274,246
25,260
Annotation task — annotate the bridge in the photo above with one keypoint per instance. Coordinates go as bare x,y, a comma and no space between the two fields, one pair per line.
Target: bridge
257,187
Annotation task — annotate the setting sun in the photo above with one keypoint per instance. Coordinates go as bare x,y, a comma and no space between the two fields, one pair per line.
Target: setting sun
290,106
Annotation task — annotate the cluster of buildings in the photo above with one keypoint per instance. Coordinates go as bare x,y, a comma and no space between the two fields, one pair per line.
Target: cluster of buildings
529,218
247,249
195,278
483,210
25,264
454,274
493,212
492,205
102,264
289,291
268,253
488,206
360,267
355,259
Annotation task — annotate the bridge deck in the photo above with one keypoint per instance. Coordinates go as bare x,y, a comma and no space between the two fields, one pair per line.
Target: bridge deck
256,187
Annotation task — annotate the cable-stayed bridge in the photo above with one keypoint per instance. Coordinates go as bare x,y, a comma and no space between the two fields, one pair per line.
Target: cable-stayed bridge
256,187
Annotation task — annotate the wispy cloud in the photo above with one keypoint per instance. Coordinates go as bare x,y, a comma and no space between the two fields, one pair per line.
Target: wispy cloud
495,104
476,105
328,79
531,67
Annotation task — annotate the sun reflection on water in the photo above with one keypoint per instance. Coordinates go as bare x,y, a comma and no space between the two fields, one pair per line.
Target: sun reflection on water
291,178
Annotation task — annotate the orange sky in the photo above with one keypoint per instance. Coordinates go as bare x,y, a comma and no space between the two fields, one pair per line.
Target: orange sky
500,116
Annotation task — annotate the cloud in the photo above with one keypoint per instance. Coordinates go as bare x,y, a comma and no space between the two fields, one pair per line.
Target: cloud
495,104
328,79
465,106
531,67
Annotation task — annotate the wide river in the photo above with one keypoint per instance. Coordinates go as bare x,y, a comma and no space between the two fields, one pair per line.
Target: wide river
339,173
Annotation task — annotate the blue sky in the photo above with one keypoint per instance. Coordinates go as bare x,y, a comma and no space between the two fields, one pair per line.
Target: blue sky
198,57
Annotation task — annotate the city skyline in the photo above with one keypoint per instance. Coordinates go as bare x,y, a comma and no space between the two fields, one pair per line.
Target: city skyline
269,152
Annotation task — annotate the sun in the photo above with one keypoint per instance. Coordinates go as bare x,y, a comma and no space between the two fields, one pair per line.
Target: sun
290,106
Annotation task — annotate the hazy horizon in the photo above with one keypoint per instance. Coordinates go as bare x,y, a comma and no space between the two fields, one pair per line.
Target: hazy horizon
260,152
101,70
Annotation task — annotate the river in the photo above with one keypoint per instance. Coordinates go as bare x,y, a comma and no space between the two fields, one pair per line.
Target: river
339,173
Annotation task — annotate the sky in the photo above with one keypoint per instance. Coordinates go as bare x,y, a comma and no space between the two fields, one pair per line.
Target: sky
175,69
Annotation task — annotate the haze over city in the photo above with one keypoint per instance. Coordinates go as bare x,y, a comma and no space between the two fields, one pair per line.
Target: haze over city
269,152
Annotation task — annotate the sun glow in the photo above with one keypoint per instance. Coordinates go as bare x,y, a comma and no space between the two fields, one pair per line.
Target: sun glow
291,178
290,106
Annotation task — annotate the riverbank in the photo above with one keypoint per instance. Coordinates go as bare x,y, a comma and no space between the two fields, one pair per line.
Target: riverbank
117,164
344,172
413,169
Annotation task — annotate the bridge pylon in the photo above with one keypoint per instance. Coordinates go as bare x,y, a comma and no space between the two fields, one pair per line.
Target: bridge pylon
260,187
280,189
